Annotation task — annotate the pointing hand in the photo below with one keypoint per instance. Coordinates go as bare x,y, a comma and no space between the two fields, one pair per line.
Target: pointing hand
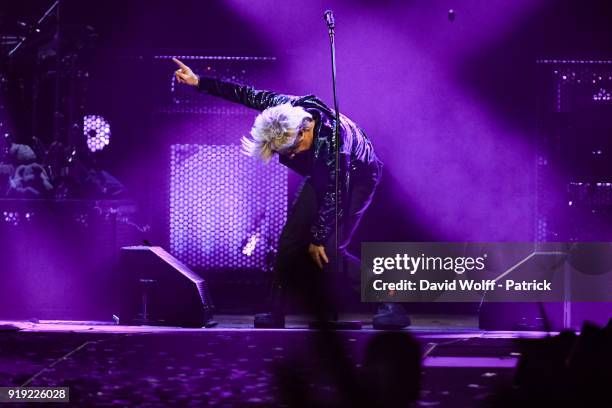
185,75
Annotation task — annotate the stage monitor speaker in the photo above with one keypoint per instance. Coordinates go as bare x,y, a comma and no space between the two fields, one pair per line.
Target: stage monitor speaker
585,274
157,289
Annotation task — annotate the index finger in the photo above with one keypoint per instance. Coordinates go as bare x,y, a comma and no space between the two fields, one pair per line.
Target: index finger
179,63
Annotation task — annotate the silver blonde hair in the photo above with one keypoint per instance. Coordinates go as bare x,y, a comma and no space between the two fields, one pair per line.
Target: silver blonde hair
275,130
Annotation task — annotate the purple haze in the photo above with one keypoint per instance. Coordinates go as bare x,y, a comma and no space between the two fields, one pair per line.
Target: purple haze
465,171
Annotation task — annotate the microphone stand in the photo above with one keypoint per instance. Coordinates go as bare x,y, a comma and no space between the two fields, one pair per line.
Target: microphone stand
332,35
331,25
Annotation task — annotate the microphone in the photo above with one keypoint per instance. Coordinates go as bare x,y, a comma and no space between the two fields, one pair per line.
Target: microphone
328,16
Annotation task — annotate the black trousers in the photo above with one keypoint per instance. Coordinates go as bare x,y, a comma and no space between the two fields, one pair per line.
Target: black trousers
296,273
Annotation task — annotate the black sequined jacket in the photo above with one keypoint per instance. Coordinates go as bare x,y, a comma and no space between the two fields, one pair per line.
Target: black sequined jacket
357,157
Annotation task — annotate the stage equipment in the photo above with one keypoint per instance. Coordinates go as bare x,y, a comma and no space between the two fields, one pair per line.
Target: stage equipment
35,29
580,269
328,16
573,186
573,171
330,21
574,176
176,99
207,198
215,197
158,289
49,68
59,257
97,132
219,197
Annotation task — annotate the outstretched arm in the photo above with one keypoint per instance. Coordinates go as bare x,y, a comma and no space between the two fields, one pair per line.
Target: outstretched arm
243,94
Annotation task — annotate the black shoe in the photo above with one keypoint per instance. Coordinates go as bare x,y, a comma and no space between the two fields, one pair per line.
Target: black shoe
209,320
390,316
269,321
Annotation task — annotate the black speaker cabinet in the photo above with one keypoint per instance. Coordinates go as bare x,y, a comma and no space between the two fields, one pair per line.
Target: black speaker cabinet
157,289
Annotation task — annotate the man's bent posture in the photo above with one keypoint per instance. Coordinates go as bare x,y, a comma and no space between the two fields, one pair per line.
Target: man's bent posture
301,131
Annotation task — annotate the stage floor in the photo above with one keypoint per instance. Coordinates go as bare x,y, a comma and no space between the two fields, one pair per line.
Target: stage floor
235,365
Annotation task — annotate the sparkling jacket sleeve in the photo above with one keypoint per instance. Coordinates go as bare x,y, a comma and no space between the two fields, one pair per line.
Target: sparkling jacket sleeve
243,94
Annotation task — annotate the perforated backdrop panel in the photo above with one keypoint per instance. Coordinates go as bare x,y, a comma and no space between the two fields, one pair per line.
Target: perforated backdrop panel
223,210
226,209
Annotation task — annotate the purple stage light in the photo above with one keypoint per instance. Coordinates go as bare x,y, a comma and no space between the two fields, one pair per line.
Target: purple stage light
250,245
16,218
602,95
97,131
223,206
13,218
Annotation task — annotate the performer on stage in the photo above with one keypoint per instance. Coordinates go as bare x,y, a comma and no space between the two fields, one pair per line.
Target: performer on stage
301,131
